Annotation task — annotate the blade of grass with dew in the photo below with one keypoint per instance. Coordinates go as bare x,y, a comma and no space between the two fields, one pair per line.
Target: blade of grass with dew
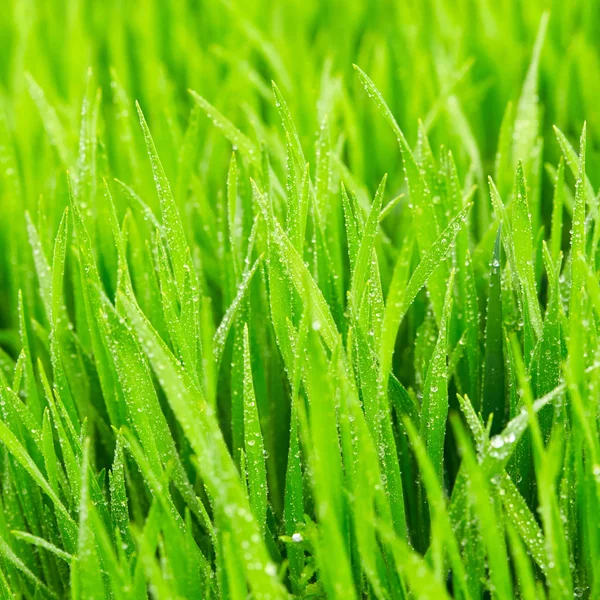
523,250
493,398
51,122
434,407
559,576
492,527
438,508
173,227
424,218
364,478
365,249
90,284
231,132
253,442
399,300
557,210
326,466
466,283
215,462
144,411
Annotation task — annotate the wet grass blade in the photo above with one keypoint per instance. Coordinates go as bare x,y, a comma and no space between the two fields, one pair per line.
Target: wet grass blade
253,443
493,397
434,408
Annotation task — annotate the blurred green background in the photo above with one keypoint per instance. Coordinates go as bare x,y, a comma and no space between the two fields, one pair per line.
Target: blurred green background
416,51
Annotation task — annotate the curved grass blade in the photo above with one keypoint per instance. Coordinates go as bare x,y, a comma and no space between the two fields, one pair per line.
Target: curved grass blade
7,552
51,122
237,139
173,227
400,297
365,250
220,336
21,455
426,226
215,463
288,126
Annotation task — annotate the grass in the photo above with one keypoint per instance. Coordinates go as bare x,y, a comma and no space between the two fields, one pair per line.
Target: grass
272,325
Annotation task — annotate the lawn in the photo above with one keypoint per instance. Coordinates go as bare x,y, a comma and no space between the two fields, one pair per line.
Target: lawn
299,298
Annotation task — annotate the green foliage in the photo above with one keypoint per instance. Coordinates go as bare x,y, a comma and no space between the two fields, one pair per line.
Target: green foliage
275,325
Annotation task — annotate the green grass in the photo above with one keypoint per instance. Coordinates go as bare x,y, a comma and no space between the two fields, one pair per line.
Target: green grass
299,298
